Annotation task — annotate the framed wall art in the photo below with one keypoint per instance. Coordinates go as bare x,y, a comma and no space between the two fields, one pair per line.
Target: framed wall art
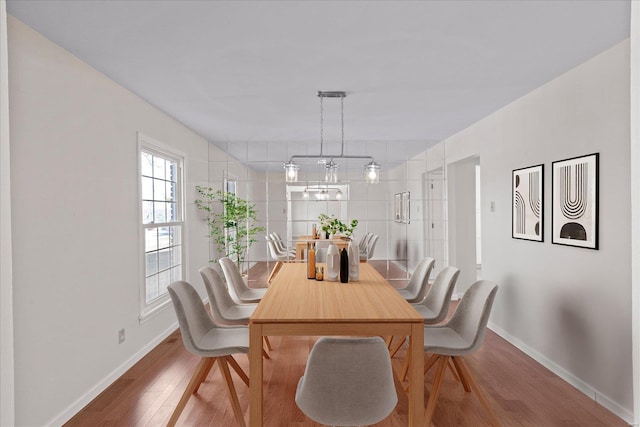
527,203
575,202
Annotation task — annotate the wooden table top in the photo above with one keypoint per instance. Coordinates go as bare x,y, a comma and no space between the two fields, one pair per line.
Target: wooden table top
294,298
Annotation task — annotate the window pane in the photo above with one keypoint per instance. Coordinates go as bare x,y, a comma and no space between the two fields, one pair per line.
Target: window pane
158,167
147,188
164,279
147,212
163,237
152,263
164,259
150,239
152,288
147,164
158,189
159,212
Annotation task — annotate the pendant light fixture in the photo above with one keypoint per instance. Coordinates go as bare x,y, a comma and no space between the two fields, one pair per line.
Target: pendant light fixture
291,168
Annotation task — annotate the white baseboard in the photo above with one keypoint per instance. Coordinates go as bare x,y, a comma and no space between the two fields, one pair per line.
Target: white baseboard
566,375
91,394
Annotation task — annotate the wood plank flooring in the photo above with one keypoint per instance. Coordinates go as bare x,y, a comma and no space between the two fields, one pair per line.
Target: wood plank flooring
521,391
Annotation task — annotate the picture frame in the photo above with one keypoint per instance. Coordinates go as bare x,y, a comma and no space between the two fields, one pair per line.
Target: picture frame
575,201
406,207
527,203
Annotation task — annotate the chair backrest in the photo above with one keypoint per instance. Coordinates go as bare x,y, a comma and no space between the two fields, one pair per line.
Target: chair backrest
273,250
219,298
347,381
418,284
472,314
438,298
362,245
275,238
232,275
193,318
371,245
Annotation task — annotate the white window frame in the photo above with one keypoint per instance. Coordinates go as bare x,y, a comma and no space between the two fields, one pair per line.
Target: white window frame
148,144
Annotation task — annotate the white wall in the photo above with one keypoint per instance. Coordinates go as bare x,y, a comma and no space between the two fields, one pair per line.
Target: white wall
75,226
7,401
568,307
461,183
635,200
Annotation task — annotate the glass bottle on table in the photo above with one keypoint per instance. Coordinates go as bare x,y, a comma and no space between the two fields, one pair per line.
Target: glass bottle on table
311,261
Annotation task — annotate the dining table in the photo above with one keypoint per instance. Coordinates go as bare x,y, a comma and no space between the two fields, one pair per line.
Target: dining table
296,306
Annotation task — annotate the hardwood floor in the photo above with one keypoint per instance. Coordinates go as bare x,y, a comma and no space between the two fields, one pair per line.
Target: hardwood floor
521,391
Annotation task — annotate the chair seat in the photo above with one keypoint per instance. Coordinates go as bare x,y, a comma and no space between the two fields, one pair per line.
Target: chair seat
445,341
426,313
238,314
223,341
408,296
252,295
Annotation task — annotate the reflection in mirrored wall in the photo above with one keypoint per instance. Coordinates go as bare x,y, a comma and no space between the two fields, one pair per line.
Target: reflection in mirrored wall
291,209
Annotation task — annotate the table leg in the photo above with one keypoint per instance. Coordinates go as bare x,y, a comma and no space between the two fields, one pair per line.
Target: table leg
255,374
416,376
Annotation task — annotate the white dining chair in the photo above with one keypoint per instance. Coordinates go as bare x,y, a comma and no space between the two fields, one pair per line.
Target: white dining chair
435,307
202,337
278,256
347,382
460,336
224,310
371,245
238,289
281,246
418,285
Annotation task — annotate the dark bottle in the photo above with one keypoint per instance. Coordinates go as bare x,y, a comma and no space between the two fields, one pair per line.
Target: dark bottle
344,266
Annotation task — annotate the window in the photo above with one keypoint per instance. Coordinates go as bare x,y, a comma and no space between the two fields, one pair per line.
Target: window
162,223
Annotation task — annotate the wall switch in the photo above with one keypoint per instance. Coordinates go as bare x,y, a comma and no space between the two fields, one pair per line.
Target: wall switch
121,336
493,206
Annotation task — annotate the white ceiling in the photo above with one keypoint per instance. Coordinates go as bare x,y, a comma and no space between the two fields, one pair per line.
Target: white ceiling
246,73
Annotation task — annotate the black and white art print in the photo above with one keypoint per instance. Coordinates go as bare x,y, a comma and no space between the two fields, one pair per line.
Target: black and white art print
575,202
527,209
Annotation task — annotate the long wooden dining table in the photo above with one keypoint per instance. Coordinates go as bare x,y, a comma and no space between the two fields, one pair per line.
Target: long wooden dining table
295,305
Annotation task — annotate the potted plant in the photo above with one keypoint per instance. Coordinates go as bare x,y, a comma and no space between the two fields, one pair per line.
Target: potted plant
231,221
333,226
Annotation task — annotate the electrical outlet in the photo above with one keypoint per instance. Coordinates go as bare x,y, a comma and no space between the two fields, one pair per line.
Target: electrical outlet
121,336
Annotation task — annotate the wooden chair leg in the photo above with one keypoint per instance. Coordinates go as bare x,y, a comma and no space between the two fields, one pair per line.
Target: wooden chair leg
231,390
205,374
274,271
268,343
398,346
243,376
388,341
477,390
454,370
405,367
204,365
462,378
435,389
265,354
430,362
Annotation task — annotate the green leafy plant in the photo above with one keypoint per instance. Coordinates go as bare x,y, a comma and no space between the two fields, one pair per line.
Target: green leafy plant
231,221
332,225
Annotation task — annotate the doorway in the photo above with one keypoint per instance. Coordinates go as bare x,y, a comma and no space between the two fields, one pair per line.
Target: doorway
463,225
